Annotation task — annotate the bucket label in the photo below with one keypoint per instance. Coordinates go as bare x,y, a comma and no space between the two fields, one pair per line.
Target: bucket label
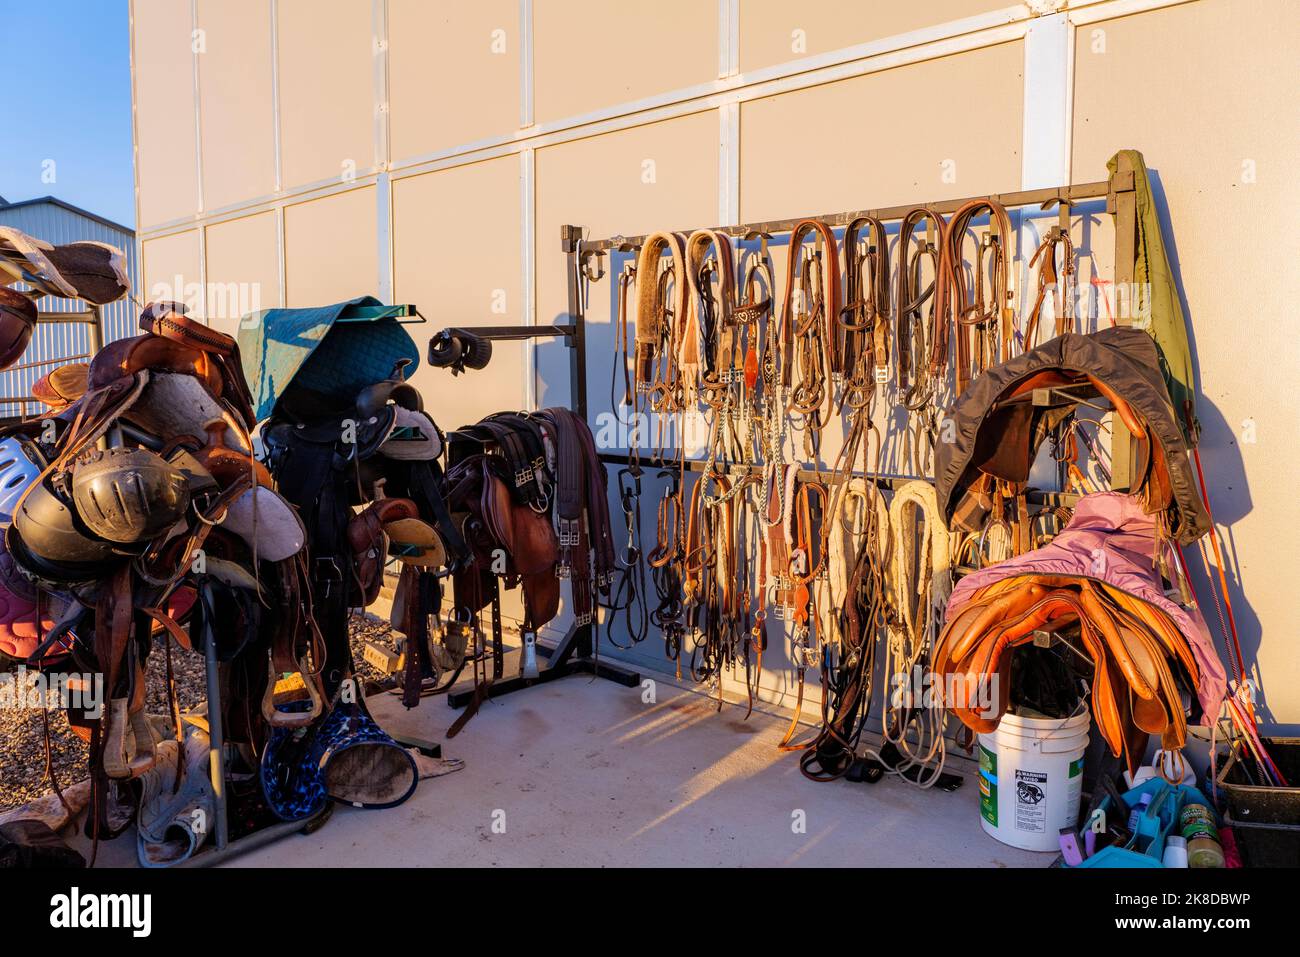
1076,768
1031,801
988,763
988,778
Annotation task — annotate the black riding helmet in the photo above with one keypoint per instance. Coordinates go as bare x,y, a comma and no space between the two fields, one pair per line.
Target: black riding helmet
47,523
128,495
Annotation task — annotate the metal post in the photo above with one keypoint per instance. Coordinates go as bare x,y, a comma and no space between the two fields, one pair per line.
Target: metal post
216,738
570,239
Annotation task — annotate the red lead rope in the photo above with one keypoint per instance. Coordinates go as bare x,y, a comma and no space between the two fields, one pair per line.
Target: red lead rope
1230,627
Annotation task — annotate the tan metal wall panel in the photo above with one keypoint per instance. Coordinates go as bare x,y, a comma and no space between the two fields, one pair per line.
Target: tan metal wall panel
777,31
453,78
598,183
331,248
243,269
171,269
1196,89
587,56
957,145
235,97
327,108
457,255
166,170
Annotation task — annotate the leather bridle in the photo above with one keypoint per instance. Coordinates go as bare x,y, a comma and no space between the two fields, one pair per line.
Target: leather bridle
980,320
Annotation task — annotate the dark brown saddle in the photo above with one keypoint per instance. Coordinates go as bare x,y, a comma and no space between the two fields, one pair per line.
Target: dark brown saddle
507,538
94,272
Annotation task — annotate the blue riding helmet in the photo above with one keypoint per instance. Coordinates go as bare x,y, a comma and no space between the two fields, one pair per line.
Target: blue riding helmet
20,466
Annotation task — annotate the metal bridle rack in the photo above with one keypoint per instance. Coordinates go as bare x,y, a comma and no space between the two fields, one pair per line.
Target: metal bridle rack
583,261
1118,191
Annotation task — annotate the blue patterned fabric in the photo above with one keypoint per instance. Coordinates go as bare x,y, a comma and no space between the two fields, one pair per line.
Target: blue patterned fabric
295,763
312,348
292,782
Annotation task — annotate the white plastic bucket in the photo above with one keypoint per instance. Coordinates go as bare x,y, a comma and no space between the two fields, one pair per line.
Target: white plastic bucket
1031,778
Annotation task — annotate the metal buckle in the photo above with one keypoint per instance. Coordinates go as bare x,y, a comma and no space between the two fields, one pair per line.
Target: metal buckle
569,532
523,477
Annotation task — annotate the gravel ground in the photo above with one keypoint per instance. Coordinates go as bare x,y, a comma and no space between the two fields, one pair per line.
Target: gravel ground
22,735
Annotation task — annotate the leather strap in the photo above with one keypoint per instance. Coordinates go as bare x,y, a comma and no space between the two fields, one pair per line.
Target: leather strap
982,325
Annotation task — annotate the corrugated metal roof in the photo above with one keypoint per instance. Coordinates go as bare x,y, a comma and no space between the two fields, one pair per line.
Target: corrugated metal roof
58,222
54,200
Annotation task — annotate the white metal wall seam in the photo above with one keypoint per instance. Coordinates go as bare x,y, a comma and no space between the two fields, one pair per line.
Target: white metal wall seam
1046,122
1091,11
528,200
203,274
528,261
198,105
526,103
384,191
195,46
728,115
282,263
274,7
135,134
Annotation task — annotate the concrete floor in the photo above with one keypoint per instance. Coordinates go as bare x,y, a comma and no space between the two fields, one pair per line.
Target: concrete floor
583,773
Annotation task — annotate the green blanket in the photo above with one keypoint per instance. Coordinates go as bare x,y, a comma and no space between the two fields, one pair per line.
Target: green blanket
1167,325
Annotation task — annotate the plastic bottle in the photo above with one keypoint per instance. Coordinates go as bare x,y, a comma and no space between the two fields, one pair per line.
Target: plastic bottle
1175,851
1203,848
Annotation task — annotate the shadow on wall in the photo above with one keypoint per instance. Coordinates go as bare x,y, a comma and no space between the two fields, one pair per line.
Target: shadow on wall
1225,476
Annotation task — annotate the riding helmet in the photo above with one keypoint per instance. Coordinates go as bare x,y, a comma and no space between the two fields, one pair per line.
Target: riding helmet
21,464
47,523
128,495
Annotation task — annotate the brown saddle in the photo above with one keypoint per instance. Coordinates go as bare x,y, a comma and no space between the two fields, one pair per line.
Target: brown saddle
95,272
61,387
507,538
1135,649
370,544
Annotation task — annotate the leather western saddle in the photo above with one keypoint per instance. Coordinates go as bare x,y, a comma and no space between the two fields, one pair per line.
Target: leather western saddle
1140,660
171,399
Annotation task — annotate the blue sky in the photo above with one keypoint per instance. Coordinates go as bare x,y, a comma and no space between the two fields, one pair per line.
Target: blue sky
68,64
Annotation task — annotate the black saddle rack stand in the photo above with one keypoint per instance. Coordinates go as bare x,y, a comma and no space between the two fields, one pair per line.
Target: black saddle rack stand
576,651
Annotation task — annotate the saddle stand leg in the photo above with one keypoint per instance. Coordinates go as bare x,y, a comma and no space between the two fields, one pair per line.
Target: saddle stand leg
573,655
